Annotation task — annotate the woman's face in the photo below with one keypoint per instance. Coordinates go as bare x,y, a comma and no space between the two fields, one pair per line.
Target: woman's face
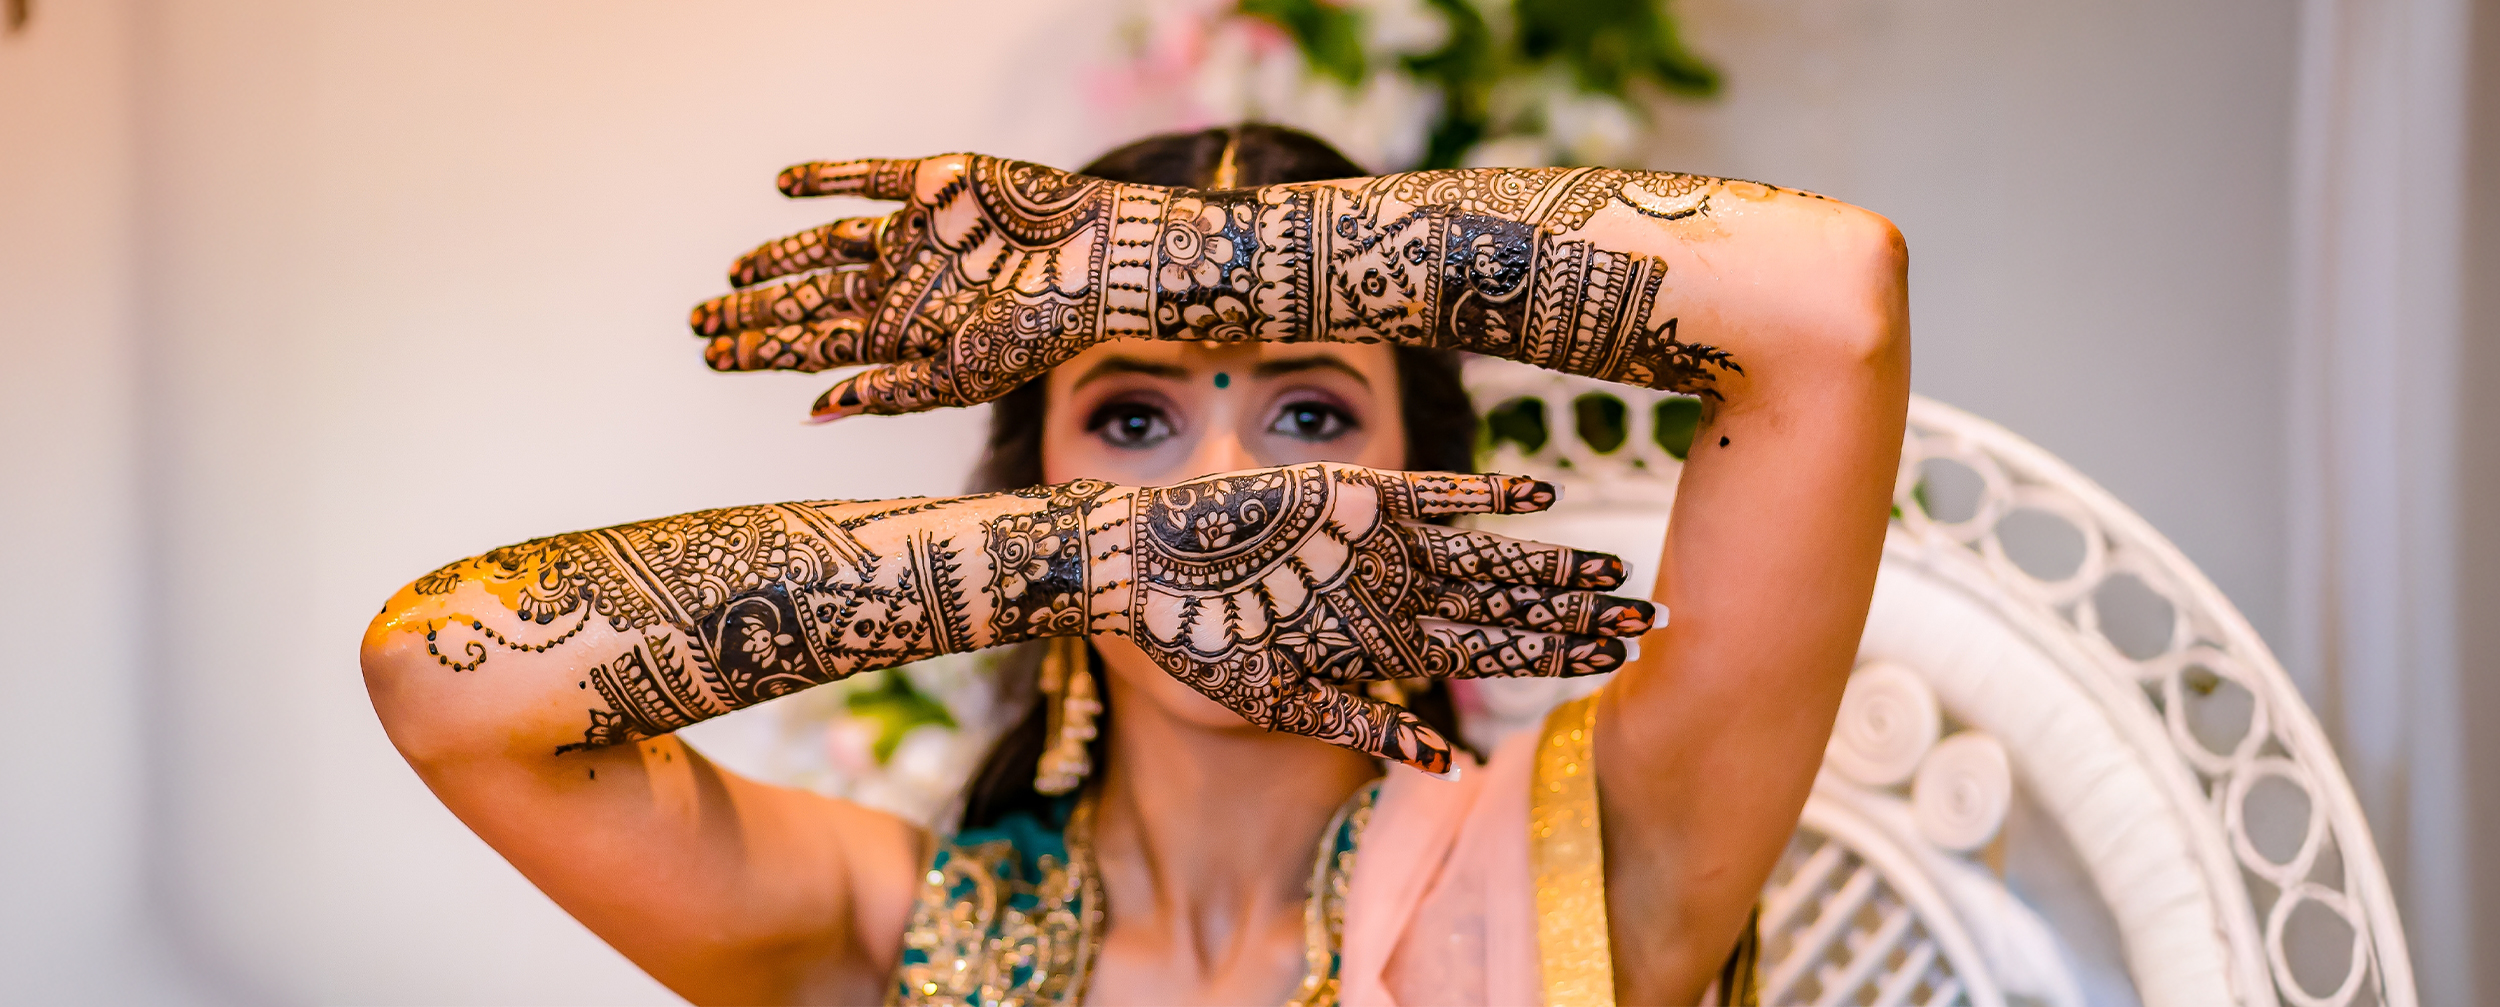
1151,413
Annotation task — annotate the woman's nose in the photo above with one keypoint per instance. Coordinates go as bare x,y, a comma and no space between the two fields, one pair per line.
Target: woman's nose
1221,451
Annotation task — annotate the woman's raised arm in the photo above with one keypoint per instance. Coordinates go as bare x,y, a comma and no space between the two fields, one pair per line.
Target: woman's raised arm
534,687
1707,746
995,270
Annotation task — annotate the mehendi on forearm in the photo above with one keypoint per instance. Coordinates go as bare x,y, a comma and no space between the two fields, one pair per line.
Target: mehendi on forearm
996,270
727,608
1260,589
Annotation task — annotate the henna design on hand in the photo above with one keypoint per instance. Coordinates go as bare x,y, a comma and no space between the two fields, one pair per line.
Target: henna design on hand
996,270
1264,589
1543,609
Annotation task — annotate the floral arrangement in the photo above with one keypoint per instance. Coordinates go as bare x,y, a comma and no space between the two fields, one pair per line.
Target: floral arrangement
1402,84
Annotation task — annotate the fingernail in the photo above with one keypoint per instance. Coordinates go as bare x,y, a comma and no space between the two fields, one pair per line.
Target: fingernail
1451,776
838,402
1659,620
1631,650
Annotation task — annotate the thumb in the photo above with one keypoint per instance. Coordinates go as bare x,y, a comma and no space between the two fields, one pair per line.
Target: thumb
909,387
1365,725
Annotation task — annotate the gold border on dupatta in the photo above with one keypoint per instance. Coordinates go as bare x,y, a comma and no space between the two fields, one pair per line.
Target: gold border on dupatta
1567,853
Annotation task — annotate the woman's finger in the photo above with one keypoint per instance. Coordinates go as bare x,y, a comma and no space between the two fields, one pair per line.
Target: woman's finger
1455,651
1432,494
1476,555
850,240
1315,710
1544,609
818,345
874,178
909,387
789,302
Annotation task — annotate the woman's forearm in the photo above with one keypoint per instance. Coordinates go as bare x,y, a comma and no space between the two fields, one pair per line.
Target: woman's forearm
1531,264
996,270
648,627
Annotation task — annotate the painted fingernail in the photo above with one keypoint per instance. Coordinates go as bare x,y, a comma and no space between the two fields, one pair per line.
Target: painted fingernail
790,178
1451,776
838,402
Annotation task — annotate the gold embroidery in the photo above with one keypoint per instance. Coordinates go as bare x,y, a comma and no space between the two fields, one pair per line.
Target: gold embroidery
985,938
979,937
1323,915
1568,855
1567,850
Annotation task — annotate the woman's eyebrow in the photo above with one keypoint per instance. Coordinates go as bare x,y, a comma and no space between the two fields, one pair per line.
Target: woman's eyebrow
1109,366
1297,365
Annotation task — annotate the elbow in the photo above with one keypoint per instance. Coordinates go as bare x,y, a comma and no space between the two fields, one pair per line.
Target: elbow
1865,320
1874,261
394,660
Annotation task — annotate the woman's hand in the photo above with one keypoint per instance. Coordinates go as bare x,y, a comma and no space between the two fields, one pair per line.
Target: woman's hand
994,271
1266,589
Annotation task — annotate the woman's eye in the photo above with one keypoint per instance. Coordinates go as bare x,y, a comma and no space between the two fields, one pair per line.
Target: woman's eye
1129,425
1312,421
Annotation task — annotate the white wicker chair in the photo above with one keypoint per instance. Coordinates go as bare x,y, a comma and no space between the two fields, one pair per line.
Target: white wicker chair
2066,770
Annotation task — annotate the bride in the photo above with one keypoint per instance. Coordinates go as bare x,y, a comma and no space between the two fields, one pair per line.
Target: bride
1213,513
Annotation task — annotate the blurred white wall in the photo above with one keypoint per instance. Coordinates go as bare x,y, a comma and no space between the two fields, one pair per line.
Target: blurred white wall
74,921
2094,196
301,299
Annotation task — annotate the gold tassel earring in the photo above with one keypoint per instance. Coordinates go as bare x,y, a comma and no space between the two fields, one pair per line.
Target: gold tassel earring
1067,684
1227,174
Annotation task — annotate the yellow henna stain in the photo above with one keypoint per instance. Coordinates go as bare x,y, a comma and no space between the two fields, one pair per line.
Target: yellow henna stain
1742,189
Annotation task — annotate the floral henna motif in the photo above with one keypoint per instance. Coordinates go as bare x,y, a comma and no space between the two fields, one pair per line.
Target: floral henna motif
996,270
1262,588
1038,570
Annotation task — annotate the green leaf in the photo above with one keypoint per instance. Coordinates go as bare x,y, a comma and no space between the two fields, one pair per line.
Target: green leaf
897,707
1330,37
1607,44
1600,420
1520,421
1463,70
1678,419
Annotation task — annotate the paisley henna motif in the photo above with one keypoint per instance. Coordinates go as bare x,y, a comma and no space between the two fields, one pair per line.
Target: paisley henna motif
995,271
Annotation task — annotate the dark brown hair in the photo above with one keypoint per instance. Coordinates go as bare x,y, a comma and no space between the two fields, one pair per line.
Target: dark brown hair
1440,425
